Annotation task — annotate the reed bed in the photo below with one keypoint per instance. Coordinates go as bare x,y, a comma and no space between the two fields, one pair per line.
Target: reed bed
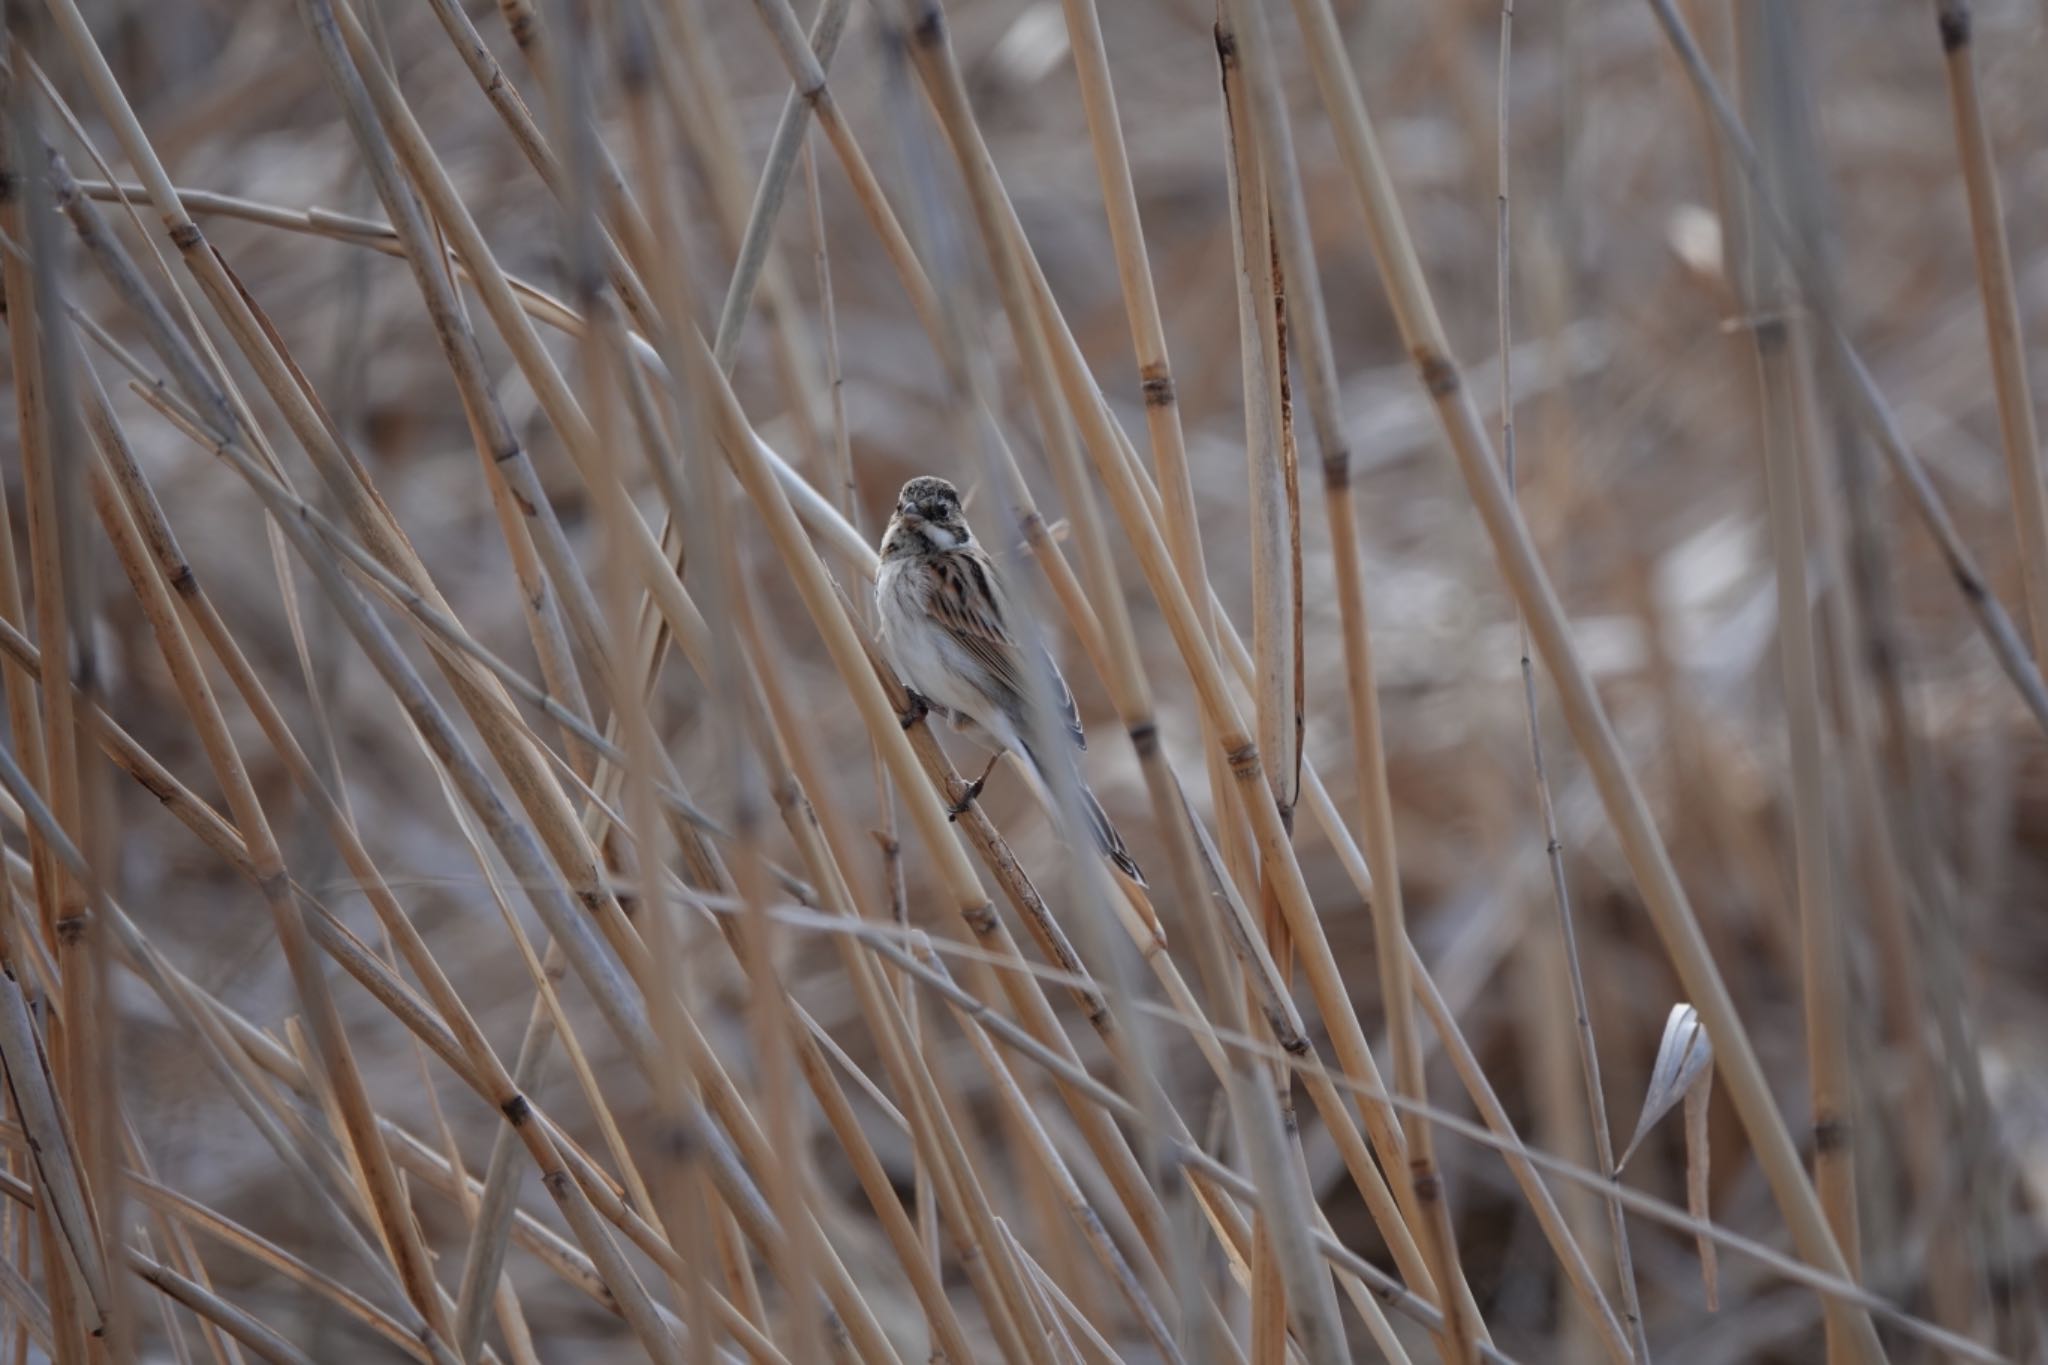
1541,508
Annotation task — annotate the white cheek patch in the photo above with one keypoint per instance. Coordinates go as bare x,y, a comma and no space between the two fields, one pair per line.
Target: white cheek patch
941,538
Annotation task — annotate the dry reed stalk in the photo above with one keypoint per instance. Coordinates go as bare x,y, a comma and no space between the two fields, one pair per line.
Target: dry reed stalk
628,240
261,1340
76,1059
507,1097
930,756
22,703
424,165
1466,1064
1292,241
30,1315
183,1257
1905,990
1023,993
267,869
1578,1271
1141,300
847,487
443,1052
791,127
607,818
1885,880
949,1336
1118,466
28,745
62,1220
752,254
311,427
1789,1266
1664,897
1907,813
355,959
808,74
1274,517
1077,1204
55,1151
1133,1049
923,32
285,1145
701,106
516,494
1860,388
1787,461
1004,867
1065,355
2001,314
505,1093
1163,425
497,445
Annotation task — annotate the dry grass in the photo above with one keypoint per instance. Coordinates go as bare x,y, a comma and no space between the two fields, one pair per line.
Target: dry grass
471,891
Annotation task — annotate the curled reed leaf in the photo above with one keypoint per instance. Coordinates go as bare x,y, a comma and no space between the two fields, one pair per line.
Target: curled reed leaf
1684,1071
1683,1057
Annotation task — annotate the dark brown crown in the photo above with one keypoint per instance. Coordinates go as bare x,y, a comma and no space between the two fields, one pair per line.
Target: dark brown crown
931,496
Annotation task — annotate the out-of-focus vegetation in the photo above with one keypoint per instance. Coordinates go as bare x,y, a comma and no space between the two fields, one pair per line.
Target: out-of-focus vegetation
472,896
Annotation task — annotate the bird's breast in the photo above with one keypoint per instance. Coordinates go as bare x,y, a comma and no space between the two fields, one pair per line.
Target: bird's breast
921,650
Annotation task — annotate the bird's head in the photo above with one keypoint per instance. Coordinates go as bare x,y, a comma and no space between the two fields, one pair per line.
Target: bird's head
928,516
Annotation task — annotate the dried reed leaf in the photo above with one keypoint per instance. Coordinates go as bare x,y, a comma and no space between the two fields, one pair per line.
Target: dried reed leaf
52,1145
1696,1170
1684,1055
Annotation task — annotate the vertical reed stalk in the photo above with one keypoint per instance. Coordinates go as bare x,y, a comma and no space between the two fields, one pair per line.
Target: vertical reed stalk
1822,968
2001,315
1585,1043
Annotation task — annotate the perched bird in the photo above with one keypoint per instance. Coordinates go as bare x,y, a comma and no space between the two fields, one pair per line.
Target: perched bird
945,629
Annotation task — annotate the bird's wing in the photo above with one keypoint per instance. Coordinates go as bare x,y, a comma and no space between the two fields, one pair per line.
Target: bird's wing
966,602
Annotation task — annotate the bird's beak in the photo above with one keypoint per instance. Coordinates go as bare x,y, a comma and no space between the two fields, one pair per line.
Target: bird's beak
910,516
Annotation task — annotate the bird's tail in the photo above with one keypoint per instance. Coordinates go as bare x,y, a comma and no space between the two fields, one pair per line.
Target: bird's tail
1106,838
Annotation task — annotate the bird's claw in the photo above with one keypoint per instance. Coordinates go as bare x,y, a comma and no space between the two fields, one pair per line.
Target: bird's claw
972,791
915,708
968,795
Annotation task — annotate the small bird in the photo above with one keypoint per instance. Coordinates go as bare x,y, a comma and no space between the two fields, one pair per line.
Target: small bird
945,630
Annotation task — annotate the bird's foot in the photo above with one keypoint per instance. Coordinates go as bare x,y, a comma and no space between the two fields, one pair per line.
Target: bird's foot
915,708
972,791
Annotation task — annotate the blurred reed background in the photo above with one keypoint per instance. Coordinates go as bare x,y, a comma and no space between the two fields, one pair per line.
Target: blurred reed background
469,895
